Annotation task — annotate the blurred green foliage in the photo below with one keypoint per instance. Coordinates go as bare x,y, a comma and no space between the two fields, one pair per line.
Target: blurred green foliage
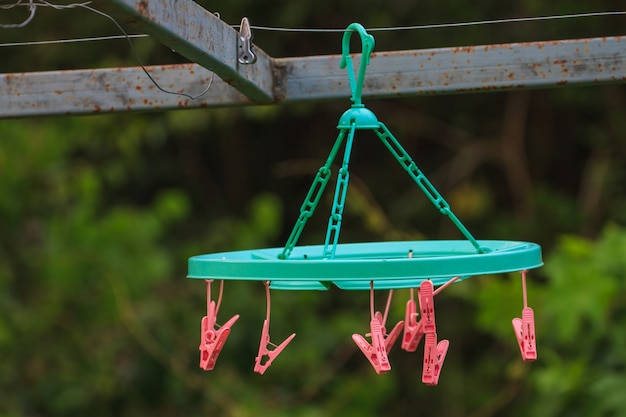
99,214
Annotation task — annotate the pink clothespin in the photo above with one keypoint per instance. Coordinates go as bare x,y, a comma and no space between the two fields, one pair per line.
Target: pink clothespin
414,329
376,352
265,356
427,306
434,355
524,328
211,339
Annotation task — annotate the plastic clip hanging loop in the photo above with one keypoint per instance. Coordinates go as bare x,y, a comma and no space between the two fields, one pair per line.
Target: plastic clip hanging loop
212,339
368,42
265,357
376,352
525,328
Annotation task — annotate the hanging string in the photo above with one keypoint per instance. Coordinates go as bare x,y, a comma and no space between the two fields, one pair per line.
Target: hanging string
387,307
372,299
267,296
524,289
438,290
219,297
269,308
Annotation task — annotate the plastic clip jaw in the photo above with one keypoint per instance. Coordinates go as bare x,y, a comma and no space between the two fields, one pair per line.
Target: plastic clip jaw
211,339
434,355
525,333
413,329
265,357
376,352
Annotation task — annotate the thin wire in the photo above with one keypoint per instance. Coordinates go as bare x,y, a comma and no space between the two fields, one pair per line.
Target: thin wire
10,6
446,25
32,8
310,30
132,47
74,40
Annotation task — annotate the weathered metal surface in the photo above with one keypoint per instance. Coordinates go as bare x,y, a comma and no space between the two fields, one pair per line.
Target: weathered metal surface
203,38
111,90
457,70
390,74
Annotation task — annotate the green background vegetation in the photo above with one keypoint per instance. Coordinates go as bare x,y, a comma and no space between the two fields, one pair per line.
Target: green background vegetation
98,215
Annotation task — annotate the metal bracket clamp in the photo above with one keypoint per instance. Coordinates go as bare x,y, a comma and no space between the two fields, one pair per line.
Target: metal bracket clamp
246,56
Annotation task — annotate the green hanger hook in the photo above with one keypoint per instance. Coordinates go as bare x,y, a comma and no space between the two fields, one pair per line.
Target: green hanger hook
367,41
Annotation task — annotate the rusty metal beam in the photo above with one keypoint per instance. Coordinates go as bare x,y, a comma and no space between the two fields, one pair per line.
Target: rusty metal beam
201,37
390,74
459,70
112,90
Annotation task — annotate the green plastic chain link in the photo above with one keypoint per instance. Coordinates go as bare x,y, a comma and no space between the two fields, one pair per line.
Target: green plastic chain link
360,118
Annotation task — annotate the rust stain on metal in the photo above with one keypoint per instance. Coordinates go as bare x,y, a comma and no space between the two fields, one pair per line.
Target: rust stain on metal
464,50
143,8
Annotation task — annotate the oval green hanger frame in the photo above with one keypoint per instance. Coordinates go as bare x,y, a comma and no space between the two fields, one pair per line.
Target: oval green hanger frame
355,266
